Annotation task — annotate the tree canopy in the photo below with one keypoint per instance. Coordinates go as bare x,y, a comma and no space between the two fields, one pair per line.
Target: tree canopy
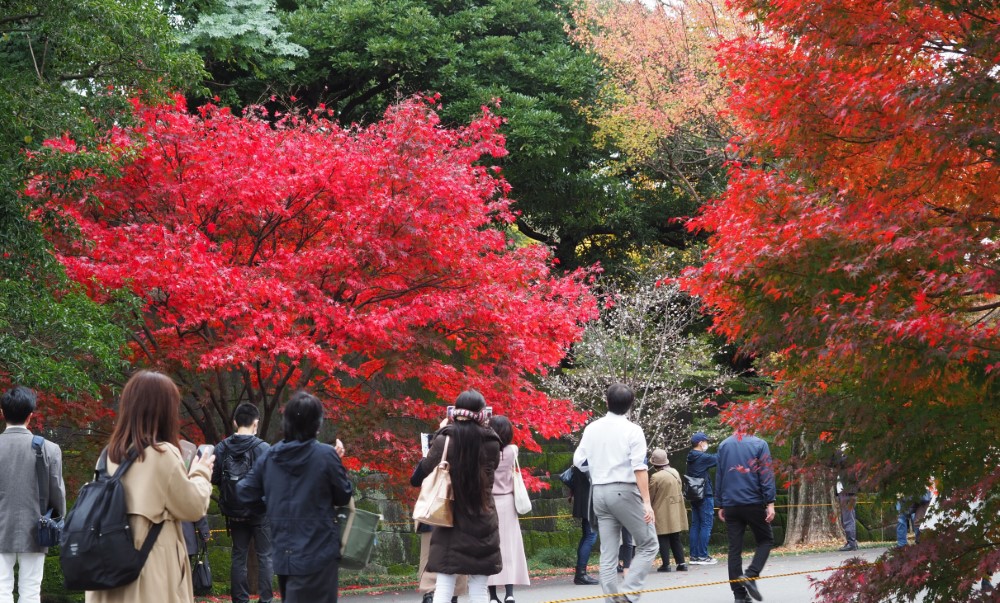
369,265
62,66
854,252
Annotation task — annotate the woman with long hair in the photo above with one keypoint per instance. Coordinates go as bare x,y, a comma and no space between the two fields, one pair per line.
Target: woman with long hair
472,546
158,488
515,565
300,481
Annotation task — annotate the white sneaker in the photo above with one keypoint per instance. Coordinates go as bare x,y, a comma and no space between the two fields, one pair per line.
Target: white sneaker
709,561
697,561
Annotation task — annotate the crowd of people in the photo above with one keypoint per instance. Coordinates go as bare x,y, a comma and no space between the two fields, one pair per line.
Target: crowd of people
281,498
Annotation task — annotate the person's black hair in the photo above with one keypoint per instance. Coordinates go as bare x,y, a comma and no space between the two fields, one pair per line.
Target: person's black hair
245,414
620,398
18,404
467,475
503,428
302,417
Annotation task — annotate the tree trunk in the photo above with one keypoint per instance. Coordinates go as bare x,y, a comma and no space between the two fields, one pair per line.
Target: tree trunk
812,511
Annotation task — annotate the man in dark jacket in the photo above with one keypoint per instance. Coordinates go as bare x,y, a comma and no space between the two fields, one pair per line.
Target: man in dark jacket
301,481
579,485
699,461
745,491
234,457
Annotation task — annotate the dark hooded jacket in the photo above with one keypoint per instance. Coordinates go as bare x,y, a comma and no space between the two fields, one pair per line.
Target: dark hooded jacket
698,464
472,546
299,483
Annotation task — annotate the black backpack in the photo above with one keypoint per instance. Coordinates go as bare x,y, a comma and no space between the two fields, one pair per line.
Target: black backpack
235,466
97,551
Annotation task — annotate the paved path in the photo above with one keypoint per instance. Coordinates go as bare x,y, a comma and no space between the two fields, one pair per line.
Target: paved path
789,589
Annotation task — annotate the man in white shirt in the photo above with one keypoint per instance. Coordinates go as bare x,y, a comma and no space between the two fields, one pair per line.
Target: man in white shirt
613,450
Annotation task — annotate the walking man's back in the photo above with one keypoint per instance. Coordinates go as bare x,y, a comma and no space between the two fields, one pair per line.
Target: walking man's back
613,450
745,492
20,473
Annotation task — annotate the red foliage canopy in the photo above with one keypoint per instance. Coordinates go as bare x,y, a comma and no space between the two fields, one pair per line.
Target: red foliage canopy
855,249
369,265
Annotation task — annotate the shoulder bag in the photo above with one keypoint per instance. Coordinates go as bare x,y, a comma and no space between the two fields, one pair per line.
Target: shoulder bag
522,503
434,503
49,528
358,529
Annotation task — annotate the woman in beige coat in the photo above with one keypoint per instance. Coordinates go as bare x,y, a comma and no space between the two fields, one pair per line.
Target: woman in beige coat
668,508
158,488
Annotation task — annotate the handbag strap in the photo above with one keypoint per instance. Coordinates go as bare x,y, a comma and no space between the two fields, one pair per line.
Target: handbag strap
41,474
444,453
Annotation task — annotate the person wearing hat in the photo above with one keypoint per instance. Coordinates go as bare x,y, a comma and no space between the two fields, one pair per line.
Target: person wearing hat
699,461
668,507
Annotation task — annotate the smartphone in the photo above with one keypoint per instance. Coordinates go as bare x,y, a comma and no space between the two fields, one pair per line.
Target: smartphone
205,450
451,413
487,413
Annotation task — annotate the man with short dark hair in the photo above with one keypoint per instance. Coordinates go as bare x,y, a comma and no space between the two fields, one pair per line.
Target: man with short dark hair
613,451
745,492
21,508
234,457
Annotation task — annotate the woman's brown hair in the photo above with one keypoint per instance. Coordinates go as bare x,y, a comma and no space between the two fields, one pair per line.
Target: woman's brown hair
147,415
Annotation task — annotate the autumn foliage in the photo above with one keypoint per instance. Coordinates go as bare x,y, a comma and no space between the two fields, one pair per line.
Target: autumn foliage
855,254
370,265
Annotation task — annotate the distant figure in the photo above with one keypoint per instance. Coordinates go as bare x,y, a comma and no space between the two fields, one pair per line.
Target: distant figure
583,509
847,498
301,481
515,565
668,507
20,510
745,491
614,450
234,457
472,546
699,461
911,514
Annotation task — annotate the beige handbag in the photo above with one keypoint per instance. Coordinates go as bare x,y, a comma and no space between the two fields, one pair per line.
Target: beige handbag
434,503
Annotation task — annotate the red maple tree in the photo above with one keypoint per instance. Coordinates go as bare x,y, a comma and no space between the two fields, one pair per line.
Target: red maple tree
369,265
854,253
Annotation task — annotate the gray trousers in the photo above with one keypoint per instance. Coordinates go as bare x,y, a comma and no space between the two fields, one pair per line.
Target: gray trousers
617,506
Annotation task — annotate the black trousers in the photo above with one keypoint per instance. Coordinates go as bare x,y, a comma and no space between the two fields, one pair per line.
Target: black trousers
320,587
737,520
671,543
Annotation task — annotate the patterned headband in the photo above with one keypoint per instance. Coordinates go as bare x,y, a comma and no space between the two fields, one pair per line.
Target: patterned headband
462,413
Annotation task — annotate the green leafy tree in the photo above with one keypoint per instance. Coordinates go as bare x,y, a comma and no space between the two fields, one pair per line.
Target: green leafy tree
65,66
361,56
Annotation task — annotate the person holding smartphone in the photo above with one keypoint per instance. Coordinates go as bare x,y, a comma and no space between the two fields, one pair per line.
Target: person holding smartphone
472,546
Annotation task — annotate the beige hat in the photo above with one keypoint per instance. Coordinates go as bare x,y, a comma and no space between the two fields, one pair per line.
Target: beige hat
658,458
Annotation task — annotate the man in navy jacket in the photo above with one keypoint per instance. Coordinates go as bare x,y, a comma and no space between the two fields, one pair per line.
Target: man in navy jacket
745,492
699,461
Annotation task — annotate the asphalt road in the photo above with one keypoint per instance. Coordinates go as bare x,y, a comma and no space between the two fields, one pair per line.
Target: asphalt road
693,586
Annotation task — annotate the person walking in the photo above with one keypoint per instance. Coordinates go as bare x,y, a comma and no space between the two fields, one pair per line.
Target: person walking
745,490
668,507
515,565
299,482
471,546
699,461
19,483
158,488
234,457
847,498
614,450
583,509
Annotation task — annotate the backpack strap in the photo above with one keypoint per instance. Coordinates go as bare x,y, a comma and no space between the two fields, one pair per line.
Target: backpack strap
147,545
41,473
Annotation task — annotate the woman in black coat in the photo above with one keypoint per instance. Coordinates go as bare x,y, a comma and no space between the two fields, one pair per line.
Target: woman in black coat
472,546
